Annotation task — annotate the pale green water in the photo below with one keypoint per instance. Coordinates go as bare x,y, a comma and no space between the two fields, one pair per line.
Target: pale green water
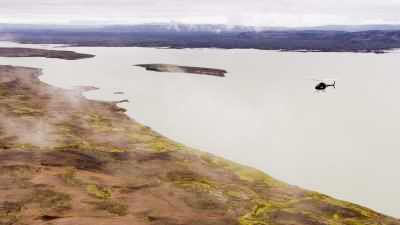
265,113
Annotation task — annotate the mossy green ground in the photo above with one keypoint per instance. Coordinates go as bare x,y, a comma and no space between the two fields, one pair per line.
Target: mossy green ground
67,160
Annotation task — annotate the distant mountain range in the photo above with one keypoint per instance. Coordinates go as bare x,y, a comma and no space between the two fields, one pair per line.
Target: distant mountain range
179,27
354,28
332,38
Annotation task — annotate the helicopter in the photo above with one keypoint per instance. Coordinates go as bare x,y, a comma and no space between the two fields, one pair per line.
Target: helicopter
322,85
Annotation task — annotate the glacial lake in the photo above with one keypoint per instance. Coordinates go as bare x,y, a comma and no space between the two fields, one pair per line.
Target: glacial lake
265,113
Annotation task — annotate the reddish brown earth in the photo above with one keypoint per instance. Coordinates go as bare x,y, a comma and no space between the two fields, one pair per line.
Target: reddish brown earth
66,160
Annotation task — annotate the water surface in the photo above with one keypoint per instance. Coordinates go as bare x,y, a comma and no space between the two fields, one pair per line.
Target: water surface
265,113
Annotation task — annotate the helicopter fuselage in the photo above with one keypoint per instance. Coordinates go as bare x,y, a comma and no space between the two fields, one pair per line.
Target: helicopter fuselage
322,86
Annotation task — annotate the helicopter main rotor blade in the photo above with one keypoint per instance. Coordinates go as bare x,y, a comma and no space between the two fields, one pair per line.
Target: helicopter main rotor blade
322,79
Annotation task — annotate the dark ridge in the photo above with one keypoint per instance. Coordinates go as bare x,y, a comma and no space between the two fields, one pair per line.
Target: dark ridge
121,101
285,217
72,158
121,156
18,156
146,157
10,207
47,218
130,189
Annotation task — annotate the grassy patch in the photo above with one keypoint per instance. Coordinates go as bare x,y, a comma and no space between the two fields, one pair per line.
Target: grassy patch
258,216
27,111
17,170
112,207
76,143
137,138
51,200
9,212
236,195
99,122
164,145
98,192
243,172
191,181
69,177
353,222
203,201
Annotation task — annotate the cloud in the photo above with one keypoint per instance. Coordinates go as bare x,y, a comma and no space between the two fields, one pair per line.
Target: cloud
244,12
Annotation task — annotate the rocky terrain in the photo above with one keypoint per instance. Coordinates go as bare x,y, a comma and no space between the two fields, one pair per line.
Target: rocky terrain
66,160
183,69
31,52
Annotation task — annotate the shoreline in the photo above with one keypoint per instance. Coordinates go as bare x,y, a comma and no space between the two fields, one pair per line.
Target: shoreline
162,47
58,45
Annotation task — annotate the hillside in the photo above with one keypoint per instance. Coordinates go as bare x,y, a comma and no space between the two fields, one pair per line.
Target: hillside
67,160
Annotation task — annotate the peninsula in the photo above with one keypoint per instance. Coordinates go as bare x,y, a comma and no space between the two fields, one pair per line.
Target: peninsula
67,160
33,52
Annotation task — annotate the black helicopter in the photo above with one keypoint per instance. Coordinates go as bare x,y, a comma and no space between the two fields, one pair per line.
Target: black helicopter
322,85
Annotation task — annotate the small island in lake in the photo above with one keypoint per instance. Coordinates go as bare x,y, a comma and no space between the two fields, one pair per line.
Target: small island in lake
183,69
32,52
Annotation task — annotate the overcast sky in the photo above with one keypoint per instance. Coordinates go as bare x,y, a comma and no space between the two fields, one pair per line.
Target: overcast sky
241,12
